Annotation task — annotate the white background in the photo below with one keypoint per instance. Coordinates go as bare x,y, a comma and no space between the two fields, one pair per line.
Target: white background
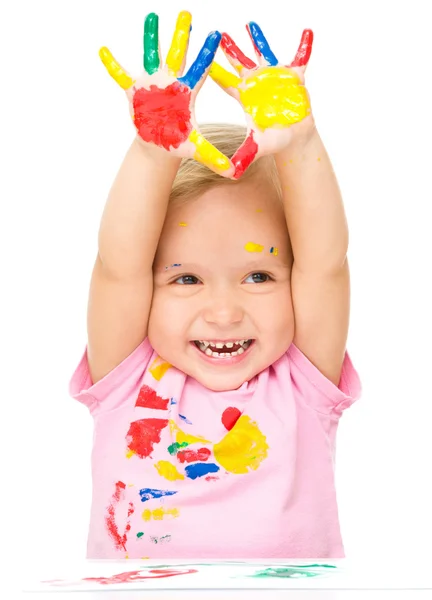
64,130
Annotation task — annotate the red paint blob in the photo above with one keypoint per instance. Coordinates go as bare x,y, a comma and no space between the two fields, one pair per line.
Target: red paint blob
143,434
110,521
147,398
230,417
192,456
230,47
162,115
130,576
244,155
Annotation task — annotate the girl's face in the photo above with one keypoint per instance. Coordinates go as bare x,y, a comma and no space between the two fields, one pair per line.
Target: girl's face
210,286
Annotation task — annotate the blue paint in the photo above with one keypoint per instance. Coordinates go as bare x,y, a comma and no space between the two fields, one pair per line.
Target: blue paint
261,44
149,493
185,420
271,250
200,469
202,61
173,401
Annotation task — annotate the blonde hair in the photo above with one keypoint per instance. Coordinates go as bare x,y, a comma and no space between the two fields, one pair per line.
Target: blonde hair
193,178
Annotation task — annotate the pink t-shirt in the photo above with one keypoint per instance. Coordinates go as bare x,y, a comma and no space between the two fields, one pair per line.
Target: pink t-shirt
180,471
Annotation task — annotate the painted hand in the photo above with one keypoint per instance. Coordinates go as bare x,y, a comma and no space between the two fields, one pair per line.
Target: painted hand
273,96
161,100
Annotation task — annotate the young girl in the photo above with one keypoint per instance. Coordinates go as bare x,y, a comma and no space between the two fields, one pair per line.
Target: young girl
216,370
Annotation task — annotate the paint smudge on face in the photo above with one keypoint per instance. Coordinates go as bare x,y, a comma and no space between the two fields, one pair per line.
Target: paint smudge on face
148,398
200,470
167,470
162,115
182,437
130,576
189,456
174,265
230,417
110,517
160,513
274,251
183,418
182,224
174,448
158,368
252,247
161,540
143,434
149,493
243,448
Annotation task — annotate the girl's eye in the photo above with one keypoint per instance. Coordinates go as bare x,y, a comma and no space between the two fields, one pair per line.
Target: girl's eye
259,278
187,280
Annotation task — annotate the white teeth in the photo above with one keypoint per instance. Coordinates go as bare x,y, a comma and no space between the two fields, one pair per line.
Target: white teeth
229,345
206,348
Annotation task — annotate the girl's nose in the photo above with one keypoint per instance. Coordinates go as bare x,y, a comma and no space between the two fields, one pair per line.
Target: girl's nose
223,310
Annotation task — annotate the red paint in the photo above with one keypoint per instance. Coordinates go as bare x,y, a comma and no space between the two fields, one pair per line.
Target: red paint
131,576
192,456
119,540
230,417
147,398
162,115
244,155
211,478
231,49
143,434
304,50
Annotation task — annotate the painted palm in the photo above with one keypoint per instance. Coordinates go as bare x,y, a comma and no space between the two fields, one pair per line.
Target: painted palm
162,99
272,95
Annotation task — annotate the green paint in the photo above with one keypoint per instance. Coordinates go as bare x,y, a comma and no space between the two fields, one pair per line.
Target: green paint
151,43
140,534
291,572
174,448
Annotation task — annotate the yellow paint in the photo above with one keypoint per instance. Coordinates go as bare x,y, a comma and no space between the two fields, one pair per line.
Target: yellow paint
131,484
127,556
129,453
116,71
159,367
275,251
182,437
159,513
207,154
183,224
177,52
274,96
167,470
259,209
251,247
318,158
223,77
243,448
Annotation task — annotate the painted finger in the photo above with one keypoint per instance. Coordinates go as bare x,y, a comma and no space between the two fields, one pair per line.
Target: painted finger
235,56
116,71
151,43
223,77
244,156
208,155
176,56
304,50
261,46
203,60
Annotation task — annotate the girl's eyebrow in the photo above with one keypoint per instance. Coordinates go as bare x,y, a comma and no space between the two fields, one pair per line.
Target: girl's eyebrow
265,263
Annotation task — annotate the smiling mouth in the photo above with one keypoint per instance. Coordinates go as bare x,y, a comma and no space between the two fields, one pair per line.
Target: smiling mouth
223,349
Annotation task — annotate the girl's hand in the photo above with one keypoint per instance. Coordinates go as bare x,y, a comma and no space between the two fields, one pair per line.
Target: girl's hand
161,100
273,96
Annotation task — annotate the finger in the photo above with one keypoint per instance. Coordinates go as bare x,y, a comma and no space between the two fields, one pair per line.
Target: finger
208,155
244,156
301,59
203,60
116,71
261,45
176,56
223,77
151,43
235,56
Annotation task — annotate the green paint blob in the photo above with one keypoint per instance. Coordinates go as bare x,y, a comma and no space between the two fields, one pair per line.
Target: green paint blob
174,448
140,534
151,43
294,572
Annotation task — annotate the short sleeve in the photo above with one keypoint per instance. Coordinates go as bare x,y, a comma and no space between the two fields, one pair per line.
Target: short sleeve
116,387
319,392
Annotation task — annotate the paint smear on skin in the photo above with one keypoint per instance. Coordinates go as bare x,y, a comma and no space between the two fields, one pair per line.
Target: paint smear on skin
110,521
274,251
161,540
207,154
183,418
167,470
174,265
230,417
174,448
159,367
183,224
173,401
211,478
189,456
294,572
143,434
243,448
275,97
148,398
200,470
182,437
162,115
131,576
149,493
244,156
252,247
158,514
123,79
140,534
